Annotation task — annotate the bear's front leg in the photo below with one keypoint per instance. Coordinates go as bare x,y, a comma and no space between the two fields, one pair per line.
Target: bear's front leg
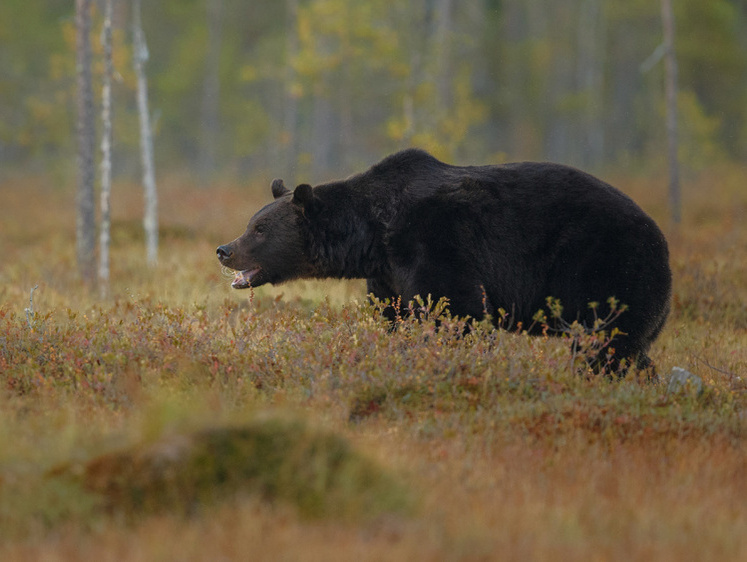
380,290
465,297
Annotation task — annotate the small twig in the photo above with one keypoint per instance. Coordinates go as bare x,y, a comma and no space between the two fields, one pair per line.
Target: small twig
30,310
707,364
653,59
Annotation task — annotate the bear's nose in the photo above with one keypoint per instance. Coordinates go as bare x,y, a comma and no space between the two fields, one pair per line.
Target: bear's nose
224,252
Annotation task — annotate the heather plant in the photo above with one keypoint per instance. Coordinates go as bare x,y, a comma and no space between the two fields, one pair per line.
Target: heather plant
594,345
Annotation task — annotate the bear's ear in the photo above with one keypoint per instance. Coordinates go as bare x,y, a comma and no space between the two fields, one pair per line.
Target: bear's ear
278,188
303,195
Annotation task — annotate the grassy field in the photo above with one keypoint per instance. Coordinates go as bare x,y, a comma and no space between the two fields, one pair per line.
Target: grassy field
177,419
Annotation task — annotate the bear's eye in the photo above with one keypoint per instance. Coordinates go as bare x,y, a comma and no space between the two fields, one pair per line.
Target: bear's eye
259,229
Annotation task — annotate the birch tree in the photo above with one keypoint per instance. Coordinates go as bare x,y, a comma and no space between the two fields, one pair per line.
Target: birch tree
106,150
86,214
140,57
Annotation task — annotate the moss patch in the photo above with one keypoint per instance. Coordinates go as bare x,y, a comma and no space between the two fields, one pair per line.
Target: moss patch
279,459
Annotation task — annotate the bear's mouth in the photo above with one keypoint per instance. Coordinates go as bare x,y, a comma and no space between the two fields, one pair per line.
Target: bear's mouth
243,279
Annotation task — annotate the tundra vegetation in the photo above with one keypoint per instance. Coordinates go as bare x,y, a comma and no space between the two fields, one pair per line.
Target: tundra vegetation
179,419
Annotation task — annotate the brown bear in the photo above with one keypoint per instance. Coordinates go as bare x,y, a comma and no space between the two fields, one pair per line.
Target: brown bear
489,238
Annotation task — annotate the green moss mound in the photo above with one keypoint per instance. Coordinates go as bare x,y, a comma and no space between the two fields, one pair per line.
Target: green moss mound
279,459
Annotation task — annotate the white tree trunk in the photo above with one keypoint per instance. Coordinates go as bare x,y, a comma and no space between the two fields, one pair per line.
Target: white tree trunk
140,57
106,150
86,215
670,61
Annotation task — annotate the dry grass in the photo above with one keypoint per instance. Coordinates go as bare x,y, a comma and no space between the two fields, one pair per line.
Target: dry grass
507,452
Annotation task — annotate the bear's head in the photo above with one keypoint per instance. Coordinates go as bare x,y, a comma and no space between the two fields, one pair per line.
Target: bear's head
274,247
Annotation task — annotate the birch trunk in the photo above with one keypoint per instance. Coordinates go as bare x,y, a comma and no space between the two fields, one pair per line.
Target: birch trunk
670,63
86,208
106,150
150,218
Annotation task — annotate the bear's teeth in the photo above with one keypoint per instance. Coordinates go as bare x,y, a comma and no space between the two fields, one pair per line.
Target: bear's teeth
239,280
243,279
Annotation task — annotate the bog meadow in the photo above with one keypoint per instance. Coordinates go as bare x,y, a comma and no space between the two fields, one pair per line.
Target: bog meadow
361,443
162,415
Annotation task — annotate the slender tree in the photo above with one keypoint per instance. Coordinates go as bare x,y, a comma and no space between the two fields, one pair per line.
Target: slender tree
140,57
670,62
86,215
106,149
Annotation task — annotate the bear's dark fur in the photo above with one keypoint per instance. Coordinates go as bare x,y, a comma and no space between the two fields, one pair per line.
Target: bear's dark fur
486,237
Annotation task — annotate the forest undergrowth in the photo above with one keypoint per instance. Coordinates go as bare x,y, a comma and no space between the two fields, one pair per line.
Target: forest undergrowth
175,418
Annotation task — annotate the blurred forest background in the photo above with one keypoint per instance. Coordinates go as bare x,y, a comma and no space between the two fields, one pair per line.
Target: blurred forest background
308,89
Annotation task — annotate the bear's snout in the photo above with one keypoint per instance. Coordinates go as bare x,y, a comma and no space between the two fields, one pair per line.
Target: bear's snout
224,252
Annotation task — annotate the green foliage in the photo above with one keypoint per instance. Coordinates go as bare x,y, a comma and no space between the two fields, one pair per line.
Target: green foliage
524,80
713,62
699,146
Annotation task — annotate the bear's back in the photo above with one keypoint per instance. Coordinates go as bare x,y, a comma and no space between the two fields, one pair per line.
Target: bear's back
412,174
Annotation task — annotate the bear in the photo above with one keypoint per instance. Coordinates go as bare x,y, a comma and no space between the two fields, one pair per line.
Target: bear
495,240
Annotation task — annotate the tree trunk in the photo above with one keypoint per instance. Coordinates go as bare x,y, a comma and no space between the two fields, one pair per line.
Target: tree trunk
106,151
211,91
150,218
86,215
670,61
